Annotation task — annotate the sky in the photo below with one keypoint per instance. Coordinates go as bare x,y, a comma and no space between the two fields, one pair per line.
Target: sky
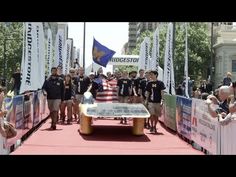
111,34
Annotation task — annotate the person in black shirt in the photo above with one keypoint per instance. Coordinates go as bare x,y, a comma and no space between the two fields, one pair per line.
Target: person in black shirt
124,90
137,94
53,88
142,91
155,90
16,80
69,95
132,76
59,72
81,83
93,88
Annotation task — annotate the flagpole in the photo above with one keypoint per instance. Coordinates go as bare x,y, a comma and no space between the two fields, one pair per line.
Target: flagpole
84,46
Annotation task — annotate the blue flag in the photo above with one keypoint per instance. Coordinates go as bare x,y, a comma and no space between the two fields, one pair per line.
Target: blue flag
101,54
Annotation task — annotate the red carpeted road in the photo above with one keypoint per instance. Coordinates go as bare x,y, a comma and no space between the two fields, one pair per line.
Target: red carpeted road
109,137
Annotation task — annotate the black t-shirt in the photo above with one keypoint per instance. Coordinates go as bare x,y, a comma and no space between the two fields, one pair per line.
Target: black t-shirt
133,83
94,89
155,88
68,92
142,86
137,84
82,84
17,80
124,86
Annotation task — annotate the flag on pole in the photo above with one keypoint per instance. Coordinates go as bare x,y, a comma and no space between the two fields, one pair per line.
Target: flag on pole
186,61
168,63
101,54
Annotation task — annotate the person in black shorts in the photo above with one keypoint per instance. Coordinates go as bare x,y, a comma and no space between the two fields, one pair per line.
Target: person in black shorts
124,91
154,91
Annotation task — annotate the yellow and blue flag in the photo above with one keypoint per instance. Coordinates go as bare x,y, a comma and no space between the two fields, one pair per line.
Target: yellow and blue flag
101,54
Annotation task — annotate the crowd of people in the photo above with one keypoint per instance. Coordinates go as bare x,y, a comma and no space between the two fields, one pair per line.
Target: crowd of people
66,91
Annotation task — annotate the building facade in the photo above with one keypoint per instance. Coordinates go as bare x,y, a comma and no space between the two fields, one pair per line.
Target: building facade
225,51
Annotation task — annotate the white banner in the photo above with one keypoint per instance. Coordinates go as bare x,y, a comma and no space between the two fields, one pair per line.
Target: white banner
49,53
146,53
23,49
40,53
154,63
204,128
67,56
186,61
168,63
30,74
59,46
141,56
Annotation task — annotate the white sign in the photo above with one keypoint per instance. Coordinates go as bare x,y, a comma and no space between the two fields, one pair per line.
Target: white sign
117,110
204,128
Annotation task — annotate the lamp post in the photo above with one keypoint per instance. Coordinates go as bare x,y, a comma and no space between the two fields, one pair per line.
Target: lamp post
84,46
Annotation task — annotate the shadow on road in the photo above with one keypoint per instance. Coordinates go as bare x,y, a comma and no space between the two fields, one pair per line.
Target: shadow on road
114,133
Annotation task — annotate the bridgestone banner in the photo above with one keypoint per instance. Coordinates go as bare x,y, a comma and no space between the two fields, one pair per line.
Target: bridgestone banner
30,73
59,46
49,53
168,63
154,63
67,56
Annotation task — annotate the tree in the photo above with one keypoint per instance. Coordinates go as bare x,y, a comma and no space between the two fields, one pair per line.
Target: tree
198,49
12,35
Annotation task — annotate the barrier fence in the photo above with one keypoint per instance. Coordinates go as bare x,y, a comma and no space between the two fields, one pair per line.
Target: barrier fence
25,112
194,122
190,118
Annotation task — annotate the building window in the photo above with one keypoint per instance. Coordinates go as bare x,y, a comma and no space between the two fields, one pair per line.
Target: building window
233,65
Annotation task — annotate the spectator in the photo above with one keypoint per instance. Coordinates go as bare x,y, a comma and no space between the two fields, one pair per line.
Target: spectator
179,90
227,80
16,81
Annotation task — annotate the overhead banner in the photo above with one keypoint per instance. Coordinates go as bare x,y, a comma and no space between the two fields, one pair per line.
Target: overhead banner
49,53
59,46
30,74
168,63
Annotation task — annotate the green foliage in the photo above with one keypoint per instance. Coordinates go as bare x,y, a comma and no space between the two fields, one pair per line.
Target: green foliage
12,35
198,49
127,68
